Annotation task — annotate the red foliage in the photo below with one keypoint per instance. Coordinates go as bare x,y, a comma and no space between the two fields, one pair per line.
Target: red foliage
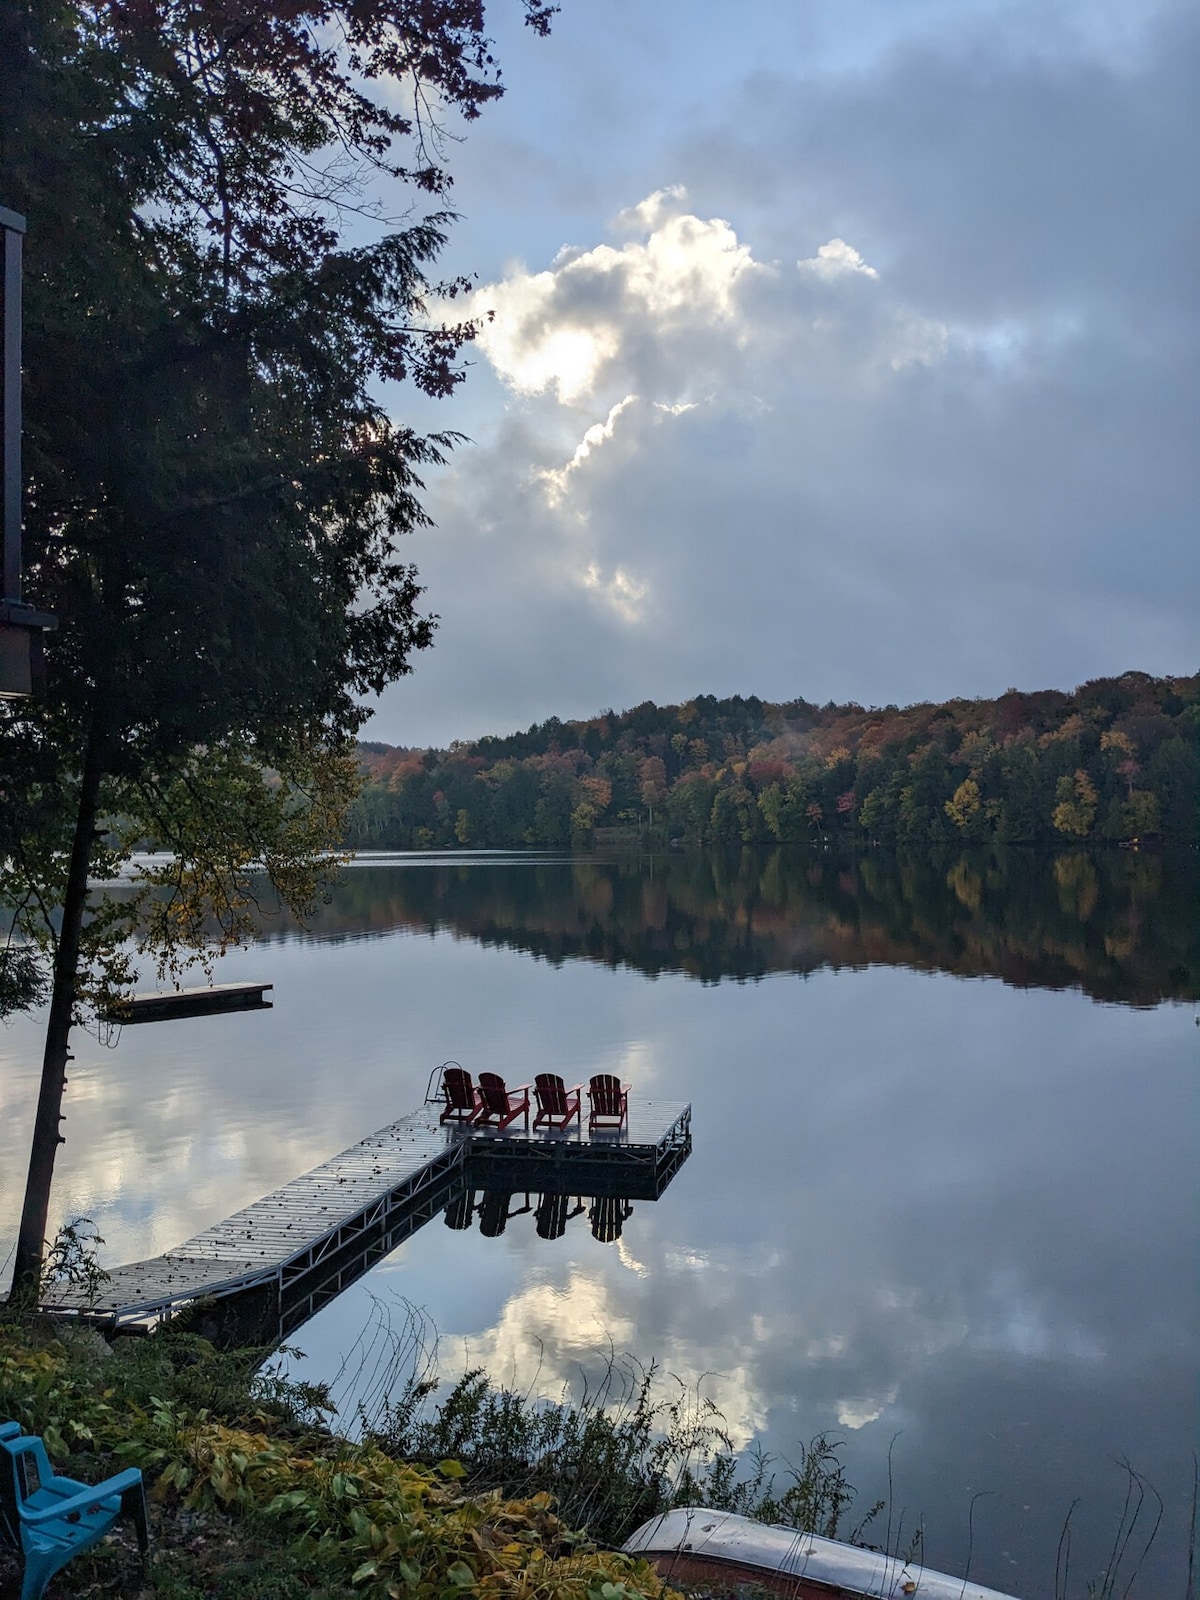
762,773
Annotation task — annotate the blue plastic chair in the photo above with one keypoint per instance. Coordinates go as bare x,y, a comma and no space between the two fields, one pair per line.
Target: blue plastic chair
51,1518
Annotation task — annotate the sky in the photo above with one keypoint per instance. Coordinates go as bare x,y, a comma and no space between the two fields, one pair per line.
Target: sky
843,349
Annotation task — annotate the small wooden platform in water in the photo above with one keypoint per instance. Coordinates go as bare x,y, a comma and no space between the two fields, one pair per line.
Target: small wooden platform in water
271,1265
203,1001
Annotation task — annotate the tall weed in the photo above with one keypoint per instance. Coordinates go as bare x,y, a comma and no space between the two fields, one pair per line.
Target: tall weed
613,1452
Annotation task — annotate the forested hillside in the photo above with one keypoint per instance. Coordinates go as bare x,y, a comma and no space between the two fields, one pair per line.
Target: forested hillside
1118,759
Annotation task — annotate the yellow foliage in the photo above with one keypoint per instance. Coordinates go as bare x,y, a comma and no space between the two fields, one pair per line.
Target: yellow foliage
975,749
400,1528
964,803
1076,808
1072,728
1120,742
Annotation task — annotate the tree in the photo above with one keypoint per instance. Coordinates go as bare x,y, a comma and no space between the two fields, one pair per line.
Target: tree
921,802
514,801
736,818
652,775
1024,808
963,807
1075,810
591,798
214,490
1174,775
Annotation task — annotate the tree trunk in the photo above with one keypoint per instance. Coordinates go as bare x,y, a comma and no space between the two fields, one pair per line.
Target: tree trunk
46,1138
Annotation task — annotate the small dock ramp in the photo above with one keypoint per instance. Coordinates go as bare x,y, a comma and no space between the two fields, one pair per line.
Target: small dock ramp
262,1272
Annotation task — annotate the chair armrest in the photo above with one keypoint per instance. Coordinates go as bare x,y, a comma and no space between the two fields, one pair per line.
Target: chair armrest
81,1502
10,1430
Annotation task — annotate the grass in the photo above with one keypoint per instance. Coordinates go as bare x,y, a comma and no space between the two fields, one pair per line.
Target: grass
617,1449
615,1456
253,1494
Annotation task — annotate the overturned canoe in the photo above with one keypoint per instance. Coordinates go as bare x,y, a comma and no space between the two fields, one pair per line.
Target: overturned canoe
694,1545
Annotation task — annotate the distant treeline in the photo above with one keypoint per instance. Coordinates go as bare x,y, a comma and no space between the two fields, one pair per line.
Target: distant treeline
1117,760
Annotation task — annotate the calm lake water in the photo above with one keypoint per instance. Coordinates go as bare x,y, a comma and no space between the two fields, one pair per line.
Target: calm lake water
943,1186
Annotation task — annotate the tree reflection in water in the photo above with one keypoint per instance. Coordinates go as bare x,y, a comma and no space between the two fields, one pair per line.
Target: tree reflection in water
1120,925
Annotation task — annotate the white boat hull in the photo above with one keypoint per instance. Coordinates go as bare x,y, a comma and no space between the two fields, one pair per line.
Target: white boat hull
693,1545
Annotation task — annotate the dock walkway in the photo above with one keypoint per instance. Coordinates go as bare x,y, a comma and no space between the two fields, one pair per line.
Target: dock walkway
277,1261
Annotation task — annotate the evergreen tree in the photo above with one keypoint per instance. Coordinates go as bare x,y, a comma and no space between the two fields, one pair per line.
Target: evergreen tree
214,491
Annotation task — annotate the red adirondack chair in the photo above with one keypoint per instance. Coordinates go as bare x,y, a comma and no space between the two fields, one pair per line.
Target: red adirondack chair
557,1105
609,1102
500,1105
461,1096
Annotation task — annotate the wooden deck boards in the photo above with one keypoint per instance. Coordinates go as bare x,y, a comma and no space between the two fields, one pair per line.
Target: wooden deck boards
366,1187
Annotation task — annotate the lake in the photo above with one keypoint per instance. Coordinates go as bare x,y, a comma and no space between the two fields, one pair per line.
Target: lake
942,1198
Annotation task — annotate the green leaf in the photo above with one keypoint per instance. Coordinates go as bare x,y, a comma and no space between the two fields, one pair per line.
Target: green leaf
451,1468
461,1574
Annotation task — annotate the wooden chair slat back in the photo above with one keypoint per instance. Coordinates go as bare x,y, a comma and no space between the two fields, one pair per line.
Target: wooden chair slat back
551,1093
605,1094
493,1092
460,1092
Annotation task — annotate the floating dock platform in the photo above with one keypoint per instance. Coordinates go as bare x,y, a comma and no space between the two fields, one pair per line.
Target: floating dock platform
261,1273
206,1000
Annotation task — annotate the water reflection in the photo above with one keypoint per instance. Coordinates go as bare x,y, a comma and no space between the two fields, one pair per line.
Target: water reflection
1119,925
963,1212
495,1208
554,1212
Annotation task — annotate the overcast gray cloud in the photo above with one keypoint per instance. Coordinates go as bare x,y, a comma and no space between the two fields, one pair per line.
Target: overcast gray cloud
882,387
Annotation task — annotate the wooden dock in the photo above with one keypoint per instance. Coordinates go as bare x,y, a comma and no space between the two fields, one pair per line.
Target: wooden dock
265,1270
205,1000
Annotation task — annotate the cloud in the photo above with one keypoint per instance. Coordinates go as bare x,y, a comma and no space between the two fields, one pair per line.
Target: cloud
888,397
834,258
547,1335
679,313
858,1410
556,479
564,329
623,593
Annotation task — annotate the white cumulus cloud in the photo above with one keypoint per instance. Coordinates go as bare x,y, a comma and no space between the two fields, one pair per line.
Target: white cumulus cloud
563,329
834,258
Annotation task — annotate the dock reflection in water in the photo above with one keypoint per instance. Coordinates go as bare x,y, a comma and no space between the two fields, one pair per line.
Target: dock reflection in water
266,1270
607,1214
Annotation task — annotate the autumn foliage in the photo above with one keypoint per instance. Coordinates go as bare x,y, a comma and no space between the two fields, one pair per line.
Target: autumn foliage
1118,759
